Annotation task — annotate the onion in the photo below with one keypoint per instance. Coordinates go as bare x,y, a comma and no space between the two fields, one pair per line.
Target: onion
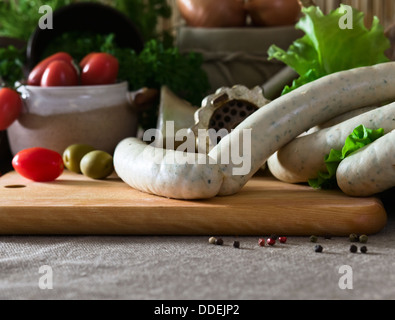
213,13
273,12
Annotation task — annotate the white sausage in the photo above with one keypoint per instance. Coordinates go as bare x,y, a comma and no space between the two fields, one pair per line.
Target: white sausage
272,127
287,117
336,120
369,170
149,169
302,158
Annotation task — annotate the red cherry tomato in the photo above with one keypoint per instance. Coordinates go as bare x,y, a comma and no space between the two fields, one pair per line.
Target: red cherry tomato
99,68
35,75
10,107
38,164
59,73
85,60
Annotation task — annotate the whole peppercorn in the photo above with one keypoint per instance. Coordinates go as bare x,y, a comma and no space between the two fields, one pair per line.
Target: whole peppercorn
353,248
363,238
261,242
318,248
313,239
282,239
212,240
219,242
236,244
353,237
271,241
364,249
273,236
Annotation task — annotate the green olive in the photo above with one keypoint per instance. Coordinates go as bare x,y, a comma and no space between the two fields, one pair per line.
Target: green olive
97,164
73,154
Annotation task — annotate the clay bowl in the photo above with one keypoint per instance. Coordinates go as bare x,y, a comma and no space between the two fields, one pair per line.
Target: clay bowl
56,117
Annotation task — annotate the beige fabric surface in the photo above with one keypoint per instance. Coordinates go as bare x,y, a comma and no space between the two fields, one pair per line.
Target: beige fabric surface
184,268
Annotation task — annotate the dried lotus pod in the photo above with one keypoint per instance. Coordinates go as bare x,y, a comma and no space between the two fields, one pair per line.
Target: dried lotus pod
225,109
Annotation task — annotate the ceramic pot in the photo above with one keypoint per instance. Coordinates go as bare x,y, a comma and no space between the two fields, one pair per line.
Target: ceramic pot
56,117
93,17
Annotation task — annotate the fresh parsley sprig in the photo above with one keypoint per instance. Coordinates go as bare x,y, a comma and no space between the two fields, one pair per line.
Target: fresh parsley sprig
12,62
157,65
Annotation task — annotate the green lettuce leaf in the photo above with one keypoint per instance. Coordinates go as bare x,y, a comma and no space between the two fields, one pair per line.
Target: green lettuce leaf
326,48
360,137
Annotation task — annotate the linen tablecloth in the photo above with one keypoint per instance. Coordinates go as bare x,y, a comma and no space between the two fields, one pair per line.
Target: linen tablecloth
188,267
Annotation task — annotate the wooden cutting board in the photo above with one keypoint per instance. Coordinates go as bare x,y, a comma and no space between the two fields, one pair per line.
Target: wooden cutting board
74,204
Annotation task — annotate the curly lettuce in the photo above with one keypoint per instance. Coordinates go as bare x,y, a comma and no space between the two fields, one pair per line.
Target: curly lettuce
327,48
360,137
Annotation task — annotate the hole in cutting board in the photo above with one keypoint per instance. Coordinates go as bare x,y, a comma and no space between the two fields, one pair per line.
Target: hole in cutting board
15,186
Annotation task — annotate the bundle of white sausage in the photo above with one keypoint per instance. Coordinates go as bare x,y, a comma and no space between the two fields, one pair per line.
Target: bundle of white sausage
302,158
272,127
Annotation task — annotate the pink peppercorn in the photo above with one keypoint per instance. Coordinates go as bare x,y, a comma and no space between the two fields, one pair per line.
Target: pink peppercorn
282,239
271,241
